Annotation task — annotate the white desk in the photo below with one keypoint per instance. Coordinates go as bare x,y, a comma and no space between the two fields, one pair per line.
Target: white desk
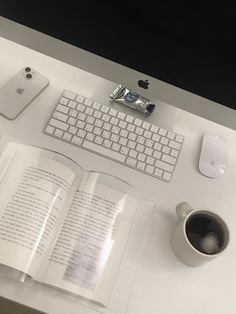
162,284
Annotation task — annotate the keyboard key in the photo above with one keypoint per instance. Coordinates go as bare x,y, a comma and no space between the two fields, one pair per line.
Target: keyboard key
98,140
169,159
90,137
129,119
131,144
141,165
130,127
90,120
72,121
175,145
49,129
124,150
147,134
156,137
106,134
154,128
157,155
123,141
107,143
80,107
149,143
98,123
121,115
104,151
174,153
80,99
69,94
72,104
96,105
142,157
141,140
162,132
58,133
89,128
166,149
158,146
104,109
150,160
114,138
67,136
88,102
81,116
77,140
179,138
73,130
158,173
171,135
114,121
131,161
146,125
133,153
64,101
116,147
97,114
163,165
148,151
62,108
122,124
132,136
164,141
137,122
89,111
105,117
80,124
97,131
150,169
60,116
59,124
113,112
140,148
167,176
81,133
107,126
115,130
139,131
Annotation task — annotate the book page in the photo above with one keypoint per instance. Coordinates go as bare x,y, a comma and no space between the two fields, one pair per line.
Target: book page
33,191
89,249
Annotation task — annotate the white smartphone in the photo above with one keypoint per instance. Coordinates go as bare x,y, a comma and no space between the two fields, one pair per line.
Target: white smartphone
20,91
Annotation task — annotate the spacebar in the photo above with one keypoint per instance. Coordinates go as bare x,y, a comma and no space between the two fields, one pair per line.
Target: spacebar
104,151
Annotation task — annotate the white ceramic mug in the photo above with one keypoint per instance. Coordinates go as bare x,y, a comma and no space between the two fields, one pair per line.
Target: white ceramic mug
210,248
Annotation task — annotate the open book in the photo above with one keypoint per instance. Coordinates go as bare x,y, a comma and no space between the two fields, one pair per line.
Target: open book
61,225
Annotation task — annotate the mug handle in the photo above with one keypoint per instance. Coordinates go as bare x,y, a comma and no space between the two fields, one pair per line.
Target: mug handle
182,210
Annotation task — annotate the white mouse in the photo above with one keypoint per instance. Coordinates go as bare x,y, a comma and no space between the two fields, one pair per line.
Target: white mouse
214,155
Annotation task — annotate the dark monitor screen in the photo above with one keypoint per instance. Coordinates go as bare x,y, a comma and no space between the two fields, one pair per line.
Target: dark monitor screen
188,45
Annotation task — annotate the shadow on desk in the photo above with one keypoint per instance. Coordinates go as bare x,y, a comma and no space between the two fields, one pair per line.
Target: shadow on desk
10,307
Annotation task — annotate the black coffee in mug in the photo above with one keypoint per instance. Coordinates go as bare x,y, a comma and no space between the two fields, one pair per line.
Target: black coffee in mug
205,233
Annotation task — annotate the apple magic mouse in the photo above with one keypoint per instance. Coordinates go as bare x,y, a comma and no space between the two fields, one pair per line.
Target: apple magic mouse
213,157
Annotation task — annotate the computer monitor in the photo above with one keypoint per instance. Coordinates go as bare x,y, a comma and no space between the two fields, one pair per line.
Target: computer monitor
152,43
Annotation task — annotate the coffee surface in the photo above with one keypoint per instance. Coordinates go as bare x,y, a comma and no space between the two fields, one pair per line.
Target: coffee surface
205,233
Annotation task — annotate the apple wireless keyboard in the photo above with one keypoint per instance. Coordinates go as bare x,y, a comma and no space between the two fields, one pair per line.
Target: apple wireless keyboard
101,129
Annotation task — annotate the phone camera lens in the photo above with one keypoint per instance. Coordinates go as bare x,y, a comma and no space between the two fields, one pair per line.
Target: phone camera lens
29,76
28,69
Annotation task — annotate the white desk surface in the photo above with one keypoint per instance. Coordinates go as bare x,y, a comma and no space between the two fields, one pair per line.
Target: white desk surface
162,284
